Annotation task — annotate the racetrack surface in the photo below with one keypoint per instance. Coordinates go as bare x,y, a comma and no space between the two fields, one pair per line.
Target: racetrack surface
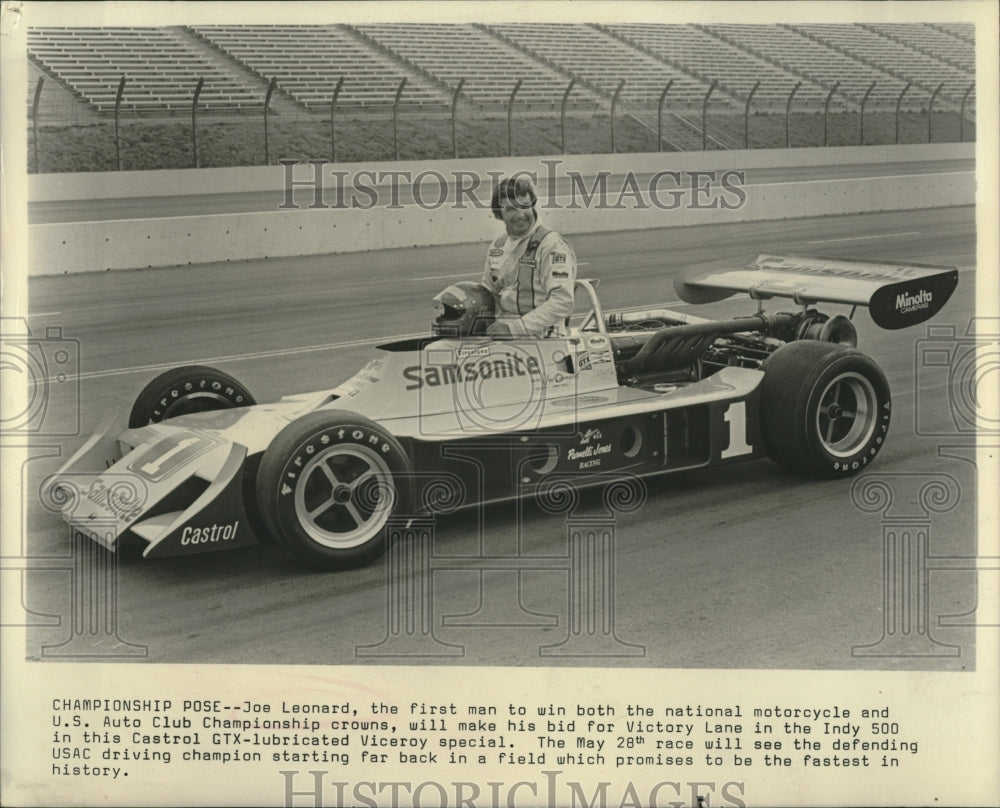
747,566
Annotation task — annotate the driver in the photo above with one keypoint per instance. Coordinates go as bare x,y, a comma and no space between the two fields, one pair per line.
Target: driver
530,269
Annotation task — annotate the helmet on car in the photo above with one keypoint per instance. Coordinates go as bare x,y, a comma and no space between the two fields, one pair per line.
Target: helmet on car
462,310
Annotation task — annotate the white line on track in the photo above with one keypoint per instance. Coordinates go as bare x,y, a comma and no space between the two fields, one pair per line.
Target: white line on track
966,227
444,277
43,313
864,238
100,374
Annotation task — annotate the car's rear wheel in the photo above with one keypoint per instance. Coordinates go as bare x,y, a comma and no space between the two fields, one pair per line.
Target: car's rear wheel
185,390
328,485
825,408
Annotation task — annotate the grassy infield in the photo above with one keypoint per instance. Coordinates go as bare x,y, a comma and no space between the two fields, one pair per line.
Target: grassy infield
167,143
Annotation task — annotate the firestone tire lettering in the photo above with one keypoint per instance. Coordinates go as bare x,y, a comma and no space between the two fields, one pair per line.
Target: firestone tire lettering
187,389
328,486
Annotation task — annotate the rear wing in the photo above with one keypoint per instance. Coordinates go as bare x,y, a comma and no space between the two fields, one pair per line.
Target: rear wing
897,295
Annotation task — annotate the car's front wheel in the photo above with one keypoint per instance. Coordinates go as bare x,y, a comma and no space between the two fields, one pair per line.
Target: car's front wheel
328,485
186,390
825,408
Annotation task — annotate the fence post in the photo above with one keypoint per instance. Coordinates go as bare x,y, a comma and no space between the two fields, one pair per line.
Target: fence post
746,115
826,110
510,118
118,106
614,103
788,114
864,101
267,109
899,102
562,114
930,110
659,115
194,119
454,114
395,118
704,116
961,114
34,118
333,116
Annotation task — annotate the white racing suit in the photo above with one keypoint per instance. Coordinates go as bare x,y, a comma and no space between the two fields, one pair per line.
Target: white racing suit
532,282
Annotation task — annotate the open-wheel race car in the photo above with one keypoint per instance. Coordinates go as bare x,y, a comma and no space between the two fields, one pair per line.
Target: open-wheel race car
201,466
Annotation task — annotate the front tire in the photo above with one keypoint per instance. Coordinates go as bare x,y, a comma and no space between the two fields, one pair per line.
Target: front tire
825,409
328,485
185,390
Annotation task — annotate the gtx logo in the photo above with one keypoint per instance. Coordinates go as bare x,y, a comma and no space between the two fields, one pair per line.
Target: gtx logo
502,368
921,300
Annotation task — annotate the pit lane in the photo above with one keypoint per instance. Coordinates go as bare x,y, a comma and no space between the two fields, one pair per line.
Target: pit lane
740,567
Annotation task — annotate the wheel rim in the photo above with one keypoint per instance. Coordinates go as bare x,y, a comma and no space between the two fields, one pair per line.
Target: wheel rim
344,496
196,402
846,416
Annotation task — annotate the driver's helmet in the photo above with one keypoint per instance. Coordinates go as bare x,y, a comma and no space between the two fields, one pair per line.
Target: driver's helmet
462,310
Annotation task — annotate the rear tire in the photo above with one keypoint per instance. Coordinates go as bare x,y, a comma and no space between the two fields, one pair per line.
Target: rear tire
825,408
328,485
185,390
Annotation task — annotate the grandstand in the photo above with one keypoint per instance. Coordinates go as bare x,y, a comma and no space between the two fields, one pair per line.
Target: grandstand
715,59
79,70
932,41
893,56
601,61
160,65
490,67
309,60
820,63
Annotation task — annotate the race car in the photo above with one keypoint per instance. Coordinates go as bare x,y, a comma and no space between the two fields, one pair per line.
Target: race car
456,418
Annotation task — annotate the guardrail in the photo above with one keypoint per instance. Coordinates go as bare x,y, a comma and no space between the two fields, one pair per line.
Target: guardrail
577,194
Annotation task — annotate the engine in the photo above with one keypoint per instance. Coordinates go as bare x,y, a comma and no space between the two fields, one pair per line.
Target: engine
662,346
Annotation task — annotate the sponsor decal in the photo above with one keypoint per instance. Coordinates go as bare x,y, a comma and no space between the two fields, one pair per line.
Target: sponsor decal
583,361
369,374
558,258
921,300
591,451
596,341
589,435
503,367
844,269
483,350
114,499
600,357
560,273
209,534
495,252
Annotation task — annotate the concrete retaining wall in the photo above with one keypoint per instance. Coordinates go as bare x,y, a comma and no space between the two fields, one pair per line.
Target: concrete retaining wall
794,183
